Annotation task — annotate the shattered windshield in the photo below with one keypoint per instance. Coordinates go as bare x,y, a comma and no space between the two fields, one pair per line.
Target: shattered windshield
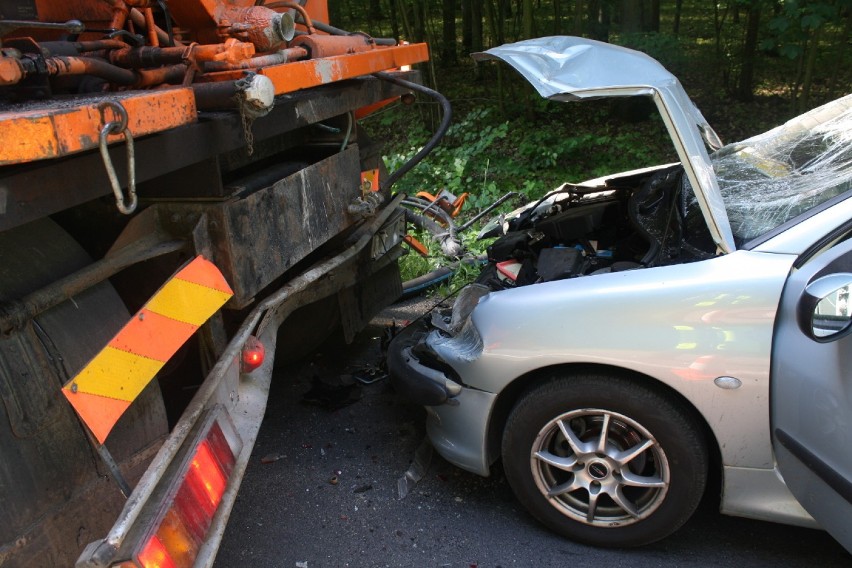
773,177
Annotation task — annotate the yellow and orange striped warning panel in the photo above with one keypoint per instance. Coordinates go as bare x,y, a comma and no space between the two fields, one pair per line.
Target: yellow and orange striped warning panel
105,388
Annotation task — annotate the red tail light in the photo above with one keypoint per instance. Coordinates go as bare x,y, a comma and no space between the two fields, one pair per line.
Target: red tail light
154,555
177,534
252,355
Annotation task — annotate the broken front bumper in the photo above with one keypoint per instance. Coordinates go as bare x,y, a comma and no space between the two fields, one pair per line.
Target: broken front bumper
457,416
420,364
417,381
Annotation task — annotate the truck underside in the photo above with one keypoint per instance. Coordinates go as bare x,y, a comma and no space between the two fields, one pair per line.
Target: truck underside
138,136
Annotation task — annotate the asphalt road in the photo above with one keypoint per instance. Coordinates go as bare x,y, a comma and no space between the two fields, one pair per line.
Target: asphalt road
321,491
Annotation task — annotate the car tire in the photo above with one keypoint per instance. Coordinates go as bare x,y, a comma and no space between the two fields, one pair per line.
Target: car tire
593,488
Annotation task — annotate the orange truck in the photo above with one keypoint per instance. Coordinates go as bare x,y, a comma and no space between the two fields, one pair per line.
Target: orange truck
184,192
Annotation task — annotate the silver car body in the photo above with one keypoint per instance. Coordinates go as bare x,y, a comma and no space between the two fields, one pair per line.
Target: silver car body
703,328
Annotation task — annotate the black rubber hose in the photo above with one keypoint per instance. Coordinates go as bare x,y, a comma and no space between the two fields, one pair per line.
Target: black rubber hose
428,207
439,133
441,274
337,31
445,236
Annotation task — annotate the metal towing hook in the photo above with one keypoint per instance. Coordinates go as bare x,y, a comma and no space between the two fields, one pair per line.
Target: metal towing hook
126,204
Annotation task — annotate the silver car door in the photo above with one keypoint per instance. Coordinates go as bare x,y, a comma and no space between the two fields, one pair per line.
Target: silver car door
811,387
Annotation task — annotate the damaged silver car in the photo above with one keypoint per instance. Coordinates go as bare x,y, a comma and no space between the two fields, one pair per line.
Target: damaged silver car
633,333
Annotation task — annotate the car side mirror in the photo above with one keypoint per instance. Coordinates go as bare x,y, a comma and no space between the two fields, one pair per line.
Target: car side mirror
825,310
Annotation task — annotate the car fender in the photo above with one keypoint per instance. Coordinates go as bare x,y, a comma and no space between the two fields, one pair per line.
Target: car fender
683,325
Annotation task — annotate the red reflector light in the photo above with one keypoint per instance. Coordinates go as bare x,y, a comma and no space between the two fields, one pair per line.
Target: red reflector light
252,355
177,536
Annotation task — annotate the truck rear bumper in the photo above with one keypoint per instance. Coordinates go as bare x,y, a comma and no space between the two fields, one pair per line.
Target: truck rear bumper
241,396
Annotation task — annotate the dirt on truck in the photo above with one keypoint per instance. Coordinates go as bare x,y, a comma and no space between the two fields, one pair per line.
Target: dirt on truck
184,192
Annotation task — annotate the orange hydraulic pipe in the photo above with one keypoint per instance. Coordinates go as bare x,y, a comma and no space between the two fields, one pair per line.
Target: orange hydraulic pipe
138,19
120,11
151,27
86,66
11,71
172,74
282,56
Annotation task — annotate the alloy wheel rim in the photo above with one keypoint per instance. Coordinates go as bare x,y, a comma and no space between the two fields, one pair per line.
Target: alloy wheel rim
600,468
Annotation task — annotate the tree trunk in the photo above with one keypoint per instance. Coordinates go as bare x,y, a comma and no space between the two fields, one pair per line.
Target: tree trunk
527,19
678,8
504,10
745,85
406,23
631,16
373,8
719,17
651,21
491,21
557,17
467,25
598,21
476,25
448,51
394,18
578,17
375,11
334,13
419,21
810,63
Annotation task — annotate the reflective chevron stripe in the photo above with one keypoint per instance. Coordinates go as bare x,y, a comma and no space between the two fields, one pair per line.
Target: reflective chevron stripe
105,388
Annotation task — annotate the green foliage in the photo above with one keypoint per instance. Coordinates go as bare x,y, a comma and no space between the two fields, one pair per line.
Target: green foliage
505,138
795,21
413,264
487,156
459,164
665,48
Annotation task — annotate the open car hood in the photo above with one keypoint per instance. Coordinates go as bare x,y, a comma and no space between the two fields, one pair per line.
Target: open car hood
572,68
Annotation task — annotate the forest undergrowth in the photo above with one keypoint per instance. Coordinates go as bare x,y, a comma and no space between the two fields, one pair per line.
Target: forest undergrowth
505,138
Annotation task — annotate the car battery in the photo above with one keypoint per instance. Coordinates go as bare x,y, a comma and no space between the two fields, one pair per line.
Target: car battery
558,263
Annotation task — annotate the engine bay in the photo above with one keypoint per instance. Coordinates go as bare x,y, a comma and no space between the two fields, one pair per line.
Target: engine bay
638,220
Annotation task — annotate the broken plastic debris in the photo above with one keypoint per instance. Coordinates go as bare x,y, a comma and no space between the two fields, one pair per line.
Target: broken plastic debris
271,458
417,469
302,564
369,375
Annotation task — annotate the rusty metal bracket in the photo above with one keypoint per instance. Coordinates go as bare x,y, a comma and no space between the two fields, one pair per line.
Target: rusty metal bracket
126,205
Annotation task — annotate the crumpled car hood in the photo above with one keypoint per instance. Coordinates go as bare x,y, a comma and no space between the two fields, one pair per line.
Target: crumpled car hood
572,68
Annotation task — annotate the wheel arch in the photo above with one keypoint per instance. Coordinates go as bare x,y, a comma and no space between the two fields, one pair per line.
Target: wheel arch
508,397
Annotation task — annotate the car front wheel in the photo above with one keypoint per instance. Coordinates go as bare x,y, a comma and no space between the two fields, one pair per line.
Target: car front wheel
605,460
